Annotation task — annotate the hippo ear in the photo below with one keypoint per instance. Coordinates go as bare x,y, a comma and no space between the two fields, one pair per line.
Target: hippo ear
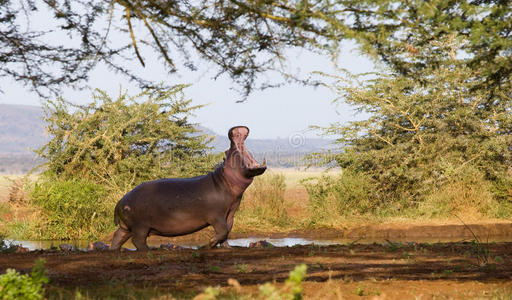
244,130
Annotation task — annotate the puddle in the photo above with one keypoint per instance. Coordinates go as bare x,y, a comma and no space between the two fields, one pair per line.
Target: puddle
244,242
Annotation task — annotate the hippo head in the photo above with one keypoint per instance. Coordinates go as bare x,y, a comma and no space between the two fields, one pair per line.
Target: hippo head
238,158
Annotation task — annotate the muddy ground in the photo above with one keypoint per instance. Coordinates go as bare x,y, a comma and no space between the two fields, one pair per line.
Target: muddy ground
381,271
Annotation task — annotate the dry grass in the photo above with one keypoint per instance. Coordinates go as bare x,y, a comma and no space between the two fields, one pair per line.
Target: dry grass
264,203
468,196
277,200
4,188
13,188
293,177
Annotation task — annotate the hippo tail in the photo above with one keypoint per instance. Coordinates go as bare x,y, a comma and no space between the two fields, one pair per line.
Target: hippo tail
117,217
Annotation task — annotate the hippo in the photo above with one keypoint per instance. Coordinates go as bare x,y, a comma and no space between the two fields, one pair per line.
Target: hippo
179,206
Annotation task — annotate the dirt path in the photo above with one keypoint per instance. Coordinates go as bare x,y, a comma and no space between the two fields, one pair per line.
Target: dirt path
390,271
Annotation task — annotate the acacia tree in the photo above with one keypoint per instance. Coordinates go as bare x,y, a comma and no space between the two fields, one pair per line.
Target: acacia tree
121,142
441,104
242,38
246,38
421,134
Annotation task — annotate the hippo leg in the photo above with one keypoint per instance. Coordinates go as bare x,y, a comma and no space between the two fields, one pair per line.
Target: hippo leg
225,245
230,220
221,233
139,239
120,237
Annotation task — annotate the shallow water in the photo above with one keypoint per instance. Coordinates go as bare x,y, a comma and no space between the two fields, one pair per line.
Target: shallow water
278,242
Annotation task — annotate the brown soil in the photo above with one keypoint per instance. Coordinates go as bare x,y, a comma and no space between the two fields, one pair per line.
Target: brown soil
391,271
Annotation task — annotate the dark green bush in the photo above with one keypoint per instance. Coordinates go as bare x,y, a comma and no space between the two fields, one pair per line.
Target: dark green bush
73,209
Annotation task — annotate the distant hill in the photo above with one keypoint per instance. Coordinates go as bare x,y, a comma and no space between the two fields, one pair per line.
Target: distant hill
295,143
22,129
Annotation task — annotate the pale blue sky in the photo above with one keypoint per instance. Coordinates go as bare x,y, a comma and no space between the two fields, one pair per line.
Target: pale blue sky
279,112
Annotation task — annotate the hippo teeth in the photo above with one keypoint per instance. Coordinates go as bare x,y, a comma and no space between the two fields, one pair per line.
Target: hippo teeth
264,164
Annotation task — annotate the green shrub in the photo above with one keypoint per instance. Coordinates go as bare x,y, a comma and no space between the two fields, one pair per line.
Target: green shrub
73,209
264,201
417,134
294,282
123,141
13,285
331,197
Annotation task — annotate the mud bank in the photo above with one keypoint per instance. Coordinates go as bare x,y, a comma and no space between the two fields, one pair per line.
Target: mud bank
418,232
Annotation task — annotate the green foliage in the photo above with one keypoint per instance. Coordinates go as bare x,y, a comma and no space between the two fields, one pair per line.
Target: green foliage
264,201
100,151
246,38
72,209
210,293
122,142
294,281
344,195
31,287
242,268
422,135
292,289
269,291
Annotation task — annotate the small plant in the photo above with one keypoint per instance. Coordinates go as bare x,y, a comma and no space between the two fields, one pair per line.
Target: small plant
359,291
498,259
14,285
479,249
393,246
210,293
215,269
294,282
292,289
269,291
242,268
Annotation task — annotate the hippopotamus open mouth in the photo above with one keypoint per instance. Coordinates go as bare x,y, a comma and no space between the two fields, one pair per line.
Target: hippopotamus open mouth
179,206
243,158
